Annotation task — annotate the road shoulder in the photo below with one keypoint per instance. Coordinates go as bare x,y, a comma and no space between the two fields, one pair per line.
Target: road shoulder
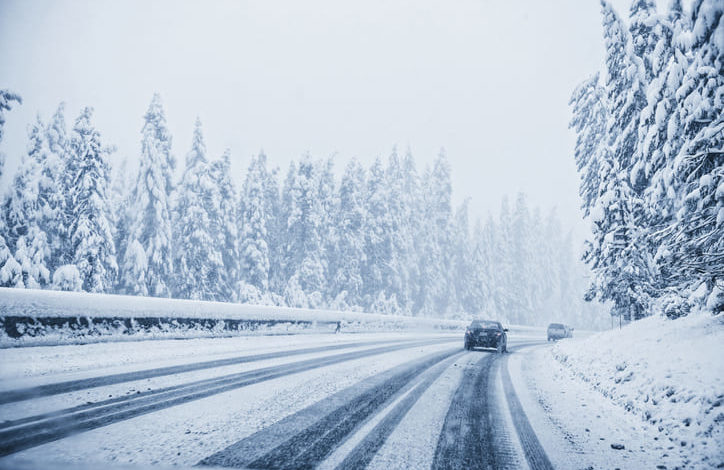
576,425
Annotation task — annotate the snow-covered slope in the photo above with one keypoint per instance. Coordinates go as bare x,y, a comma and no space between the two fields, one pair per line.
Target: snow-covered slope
669,373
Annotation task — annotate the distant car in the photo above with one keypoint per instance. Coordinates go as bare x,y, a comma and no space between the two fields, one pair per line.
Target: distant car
558,331
486,334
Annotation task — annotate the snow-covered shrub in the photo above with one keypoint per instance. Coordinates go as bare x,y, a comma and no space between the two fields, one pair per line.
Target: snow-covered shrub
67,278
294,296
249,294
11,273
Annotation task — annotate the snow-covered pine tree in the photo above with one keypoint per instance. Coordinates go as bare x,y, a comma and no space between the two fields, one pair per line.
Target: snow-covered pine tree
147,267
327,194
304,256
198,262
32,252
539,287
401,242
642,65
349,253
658,118
551,262
412,228
378,247
119,199
645,29
619,252
660,138
254,249
275,229
487,245
436,272
480,273
467,265
502,262
52,189
10,272
91,232
225,225
590,116
289,211
696,240
21,203
25,213
521,257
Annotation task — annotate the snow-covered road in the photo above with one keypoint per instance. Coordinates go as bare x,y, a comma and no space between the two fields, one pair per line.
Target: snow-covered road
328,401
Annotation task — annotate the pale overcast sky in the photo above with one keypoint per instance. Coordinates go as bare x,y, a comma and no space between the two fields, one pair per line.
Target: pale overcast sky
487,80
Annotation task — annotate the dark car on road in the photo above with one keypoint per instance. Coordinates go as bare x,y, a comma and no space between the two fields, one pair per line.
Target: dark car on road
558,331
486,334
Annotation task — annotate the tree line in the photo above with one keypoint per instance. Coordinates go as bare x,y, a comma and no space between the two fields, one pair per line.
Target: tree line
650,153
380,239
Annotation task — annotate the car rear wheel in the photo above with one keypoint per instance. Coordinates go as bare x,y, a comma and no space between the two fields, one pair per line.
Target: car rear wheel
499,349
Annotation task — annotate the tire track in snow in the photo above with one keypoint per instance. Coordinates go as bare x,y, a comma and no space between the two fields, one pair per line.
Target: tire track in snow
474,435
306,438
364,452
534,452
466,437
28,393
72,421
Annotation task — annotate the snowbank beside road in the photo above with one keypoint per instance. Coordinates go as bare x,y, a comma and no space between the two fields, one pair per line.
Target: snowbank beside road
669,373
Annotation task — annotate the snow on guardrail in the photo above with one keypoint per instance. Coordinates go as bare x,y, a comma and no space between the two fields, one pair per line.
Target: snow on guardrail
41,317
34,317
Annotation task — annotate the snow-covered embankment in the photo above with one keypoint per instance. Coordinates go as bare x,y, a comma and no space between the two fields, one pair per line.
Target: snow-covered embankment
670,373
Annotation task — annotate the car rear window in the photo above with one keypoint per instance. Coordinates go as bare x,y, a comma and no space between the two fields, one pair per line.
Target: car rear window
486,325
556,325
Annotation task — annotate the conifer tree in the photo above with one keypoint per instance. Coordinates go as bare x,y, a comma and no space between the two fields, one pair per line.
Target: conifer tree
10,273
695,238
54,222
619,210
21,206
349,252
413,213
504,288
399,233
148,262
590,116
224,224
91,236
435,282
254,249
304,253
275,227
378,249
465,274
198,262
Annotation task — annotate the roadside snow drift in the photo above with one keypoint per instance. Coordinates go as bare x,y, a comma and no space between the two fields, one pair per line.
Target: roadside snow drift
668,372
